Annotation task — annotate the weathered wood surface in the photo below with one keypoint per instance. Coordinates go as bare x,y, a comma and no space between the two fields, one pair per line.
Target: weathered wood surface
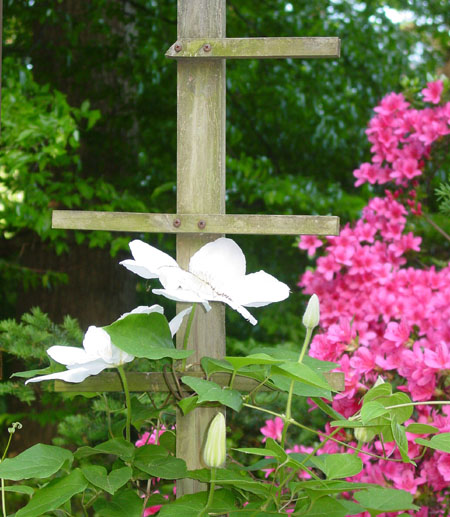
197,223
158,382
200,189
255,48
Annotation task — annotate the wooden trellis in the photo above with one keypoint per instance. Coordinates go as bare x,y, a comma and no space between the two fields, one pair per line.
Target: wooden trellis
201,51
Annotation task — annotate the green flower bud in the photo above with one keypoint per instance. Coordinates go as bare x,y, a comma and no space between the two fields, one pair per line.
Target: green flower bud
364,435
215,447
312,314
379,381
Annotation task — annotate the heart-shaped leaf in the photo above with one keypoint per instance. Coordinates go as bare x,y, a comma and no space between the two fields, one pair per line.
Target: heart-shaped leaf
145,335
98,476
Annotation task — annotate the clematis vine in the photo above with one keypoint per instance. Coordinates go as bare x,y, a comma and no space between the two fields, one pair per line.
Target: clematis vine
98,352
216,273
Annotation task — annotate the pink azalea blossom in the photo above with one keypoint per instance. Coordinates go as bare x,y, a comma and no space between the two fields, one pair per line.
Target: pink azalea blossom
379,312
310,243
432,93
273,429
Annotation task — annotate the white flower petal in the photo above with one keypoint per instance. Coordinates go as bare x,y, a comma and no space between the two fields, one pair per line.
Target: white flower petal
140,270
68,355
218,263
144,309
181,295
258,289
97,344
72,375
176,322
239,308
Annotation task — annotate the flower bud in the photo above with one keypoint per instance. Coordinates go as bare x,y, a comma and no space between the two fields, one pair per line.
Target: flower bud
364,435
312,314
215,447
379,381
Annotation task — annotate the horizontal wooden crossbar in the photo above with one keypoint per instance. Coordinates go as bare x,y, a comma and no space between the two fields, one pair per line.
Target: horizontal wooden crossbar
255,48
157,382
201,223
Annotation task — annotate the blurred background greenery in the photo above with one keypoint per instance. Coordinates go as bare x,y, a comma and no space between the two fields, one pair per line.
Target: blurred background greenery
89,122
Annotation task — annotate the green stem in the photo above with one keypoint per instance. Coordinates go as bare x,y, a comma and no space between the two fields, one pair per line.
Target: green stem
294,422
212,487
123,377
429,402
108,415
256,388
291,387
187,333
233,376
3,498
3,481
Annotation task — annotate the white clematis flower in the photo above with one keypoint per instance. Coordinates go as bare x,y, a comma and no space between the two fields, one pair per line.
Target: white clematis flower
98,352
216,273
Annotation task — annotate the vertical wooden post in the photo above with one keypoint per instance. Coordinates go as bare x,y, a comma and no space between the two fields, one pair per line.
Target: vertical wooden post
200,189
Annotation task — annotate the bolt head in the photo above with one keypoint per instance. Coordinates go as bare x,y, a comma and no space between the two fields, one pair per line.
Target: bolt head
177,223
207,47
201,224
177,47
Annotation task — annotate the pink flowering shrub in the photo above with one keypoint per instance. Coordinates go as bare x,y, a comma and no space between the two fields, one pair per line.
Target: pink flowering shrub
383,316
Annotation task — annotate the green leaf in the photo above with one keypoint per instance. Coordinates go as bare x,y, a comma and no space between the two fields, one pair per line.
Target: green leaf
117,446
330,487
273,446
285,354
385,500
188,404
402,413
371,410
257,451
55,494
126,502
353,424
145,335
440,442
20,489
150,452
42,371
240,362
141,413
236,479
192,504
399,434
98,476
302,373
39,461
300,389
166,468
422,429
209,391
330,507
328,410
337,466
211,365
168,441
378,391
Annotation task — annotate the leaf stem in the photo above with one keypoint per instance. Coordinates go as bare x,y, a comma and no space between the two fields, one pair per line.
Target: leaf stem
3,481
287,418
212,487
123,377
187,334
320,433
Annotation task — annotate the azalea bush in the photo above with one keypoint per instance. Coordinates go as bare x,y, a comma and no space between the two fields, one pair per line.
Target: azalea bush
133,472
385,300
